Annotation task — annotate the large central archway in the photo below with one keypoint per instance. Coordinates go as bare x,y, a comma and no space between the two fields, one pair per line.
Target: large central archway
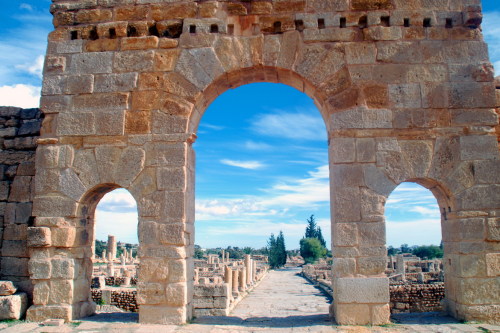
125,88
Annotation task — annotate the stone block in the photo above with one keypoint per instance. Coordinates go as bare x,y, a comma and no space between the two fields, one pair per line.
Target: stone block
493,264
40,269
360,53
344,267
382,33
482,147
162,315
91,63
41,293
399,52
81,123
177,271
346,206
216,290
139,43
21,189
115,82
376,96
61,291
479,197
476,291
343,150
63,268
352,314
365,290
13,306
165,60
15,248
13,266
39,237
472,95
345,234
493,229
380,314
7,288
377,180
361,118
64,237
134,61
371,233
38,313
176,294
54,206
474,117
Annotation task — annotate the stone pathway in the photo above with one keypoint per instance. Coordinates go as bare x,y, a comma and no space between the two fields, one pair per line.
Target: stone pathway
282,302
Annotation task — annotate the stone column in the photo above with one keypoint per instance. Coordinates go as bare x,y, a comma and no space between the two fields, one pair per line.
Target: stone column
236,274
248,266
227,257
223,256
243,279
400,266
112,246
254,270
228,276
104,255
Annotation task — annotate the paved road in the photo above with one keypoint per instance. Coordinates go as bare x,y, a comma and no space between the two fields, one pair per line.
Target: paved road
282,302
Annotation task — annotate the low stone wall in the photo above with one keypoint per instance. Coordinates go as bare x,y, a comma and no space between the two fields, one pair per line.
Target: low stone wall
126,300
416,297
19,131
211,300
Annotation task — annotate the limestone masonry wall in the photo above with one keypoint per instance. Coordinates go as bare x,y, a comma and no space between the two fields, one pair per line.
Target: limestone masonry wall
405,88
19,130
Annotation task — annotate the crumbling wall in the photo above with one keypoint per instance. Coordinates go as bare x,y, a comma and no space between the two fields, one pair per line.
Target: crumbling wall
416,297
126,300
19,131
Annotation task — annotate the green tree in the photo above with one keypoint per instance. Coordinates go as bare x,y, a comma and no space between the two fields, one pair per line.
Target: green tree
319,236
311,229
391,251
311,249
100,246
198,252
428,251
276,250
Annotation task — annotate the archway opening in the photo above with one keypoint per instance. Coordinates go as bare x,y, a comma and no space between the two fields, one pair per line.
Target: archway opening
415,251
113,281
262,169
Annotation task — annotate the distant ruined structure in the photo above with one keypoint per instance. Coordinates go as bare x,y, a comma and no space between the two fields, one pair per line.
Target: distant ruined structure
406,91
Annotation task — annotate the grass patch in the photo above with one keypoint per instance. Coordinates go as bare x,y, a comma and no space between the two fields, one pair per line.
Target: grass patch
75,323
11,322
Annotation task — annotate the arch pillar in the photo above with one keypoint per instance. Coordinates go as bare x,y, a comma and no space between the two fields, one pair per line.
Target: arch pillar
166,234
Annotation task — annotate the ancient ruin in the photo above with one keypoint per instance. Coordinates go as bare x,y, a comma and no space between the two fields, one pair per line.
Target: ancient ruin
405,88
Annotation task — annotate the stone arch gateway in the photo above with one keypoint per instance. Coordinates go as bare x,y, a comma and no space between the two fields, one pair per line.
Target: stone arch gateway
406,90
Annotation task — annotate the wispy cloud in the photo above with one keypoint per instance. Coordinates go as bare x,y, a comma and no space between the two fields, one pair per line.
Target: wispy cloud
24,44
20,95
251,165
307,192
257,146
291,125
118,201
491,32
26,6
35,68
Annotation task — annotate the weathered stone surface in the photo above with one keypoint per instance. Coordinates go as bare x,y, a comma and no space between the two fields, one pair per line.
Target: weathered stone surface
7,288
362,290
13,306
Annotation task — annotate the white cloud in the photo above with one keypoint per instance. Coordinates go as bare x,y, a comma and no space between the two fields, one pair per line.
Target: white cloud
121,225
259,146
308,192
491,32
35,68
20,95
297,126
252,165
211,126
426,211
26,6
118,201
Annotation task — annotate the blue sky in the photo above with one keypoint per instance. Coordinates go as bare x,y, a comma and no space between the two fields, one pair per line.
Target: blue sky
261,152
